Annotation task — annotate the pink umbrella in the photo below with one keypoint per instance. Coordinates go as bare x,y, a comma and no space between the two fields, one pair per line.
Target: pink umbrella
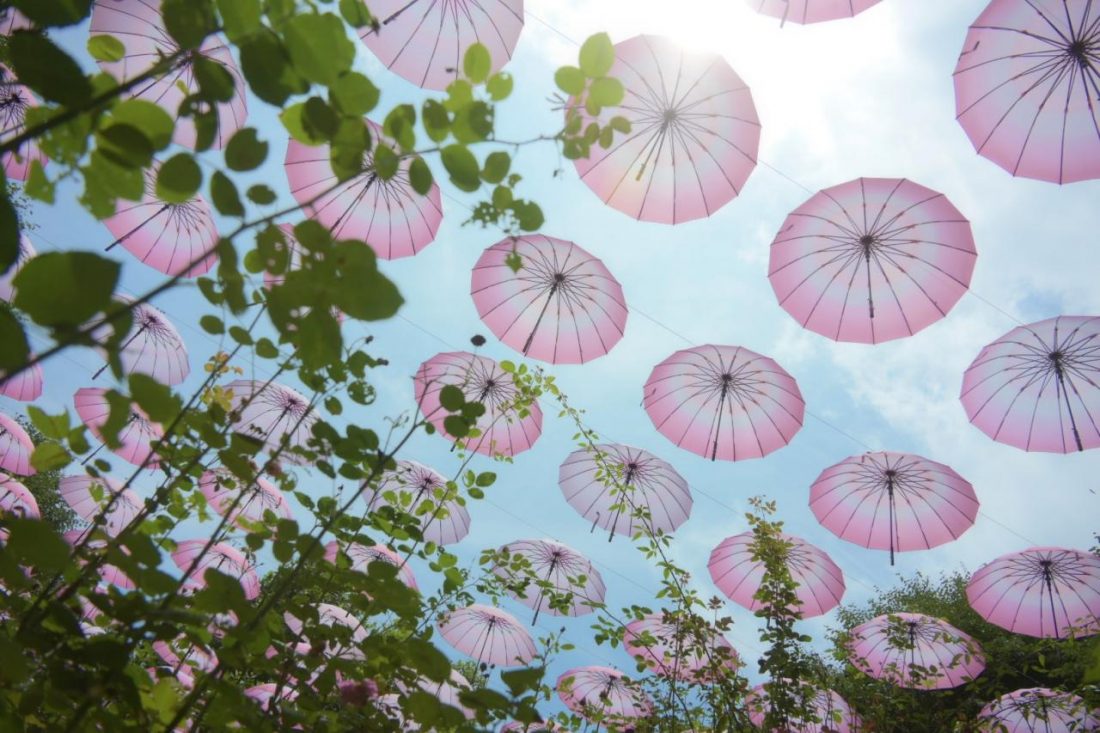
831,713
569,574
446,692
724,402
1042,591
693,140
1038,386
266,696
361,556
738,575
872,260
488,635
136,438
517,727
588,314
424,41
87,496
15,100
180,652
110,574
505,430
26,251
444,522
603,694
15,448
389,215
1037,710
195,557
223,491
811,11
1026,87
915,651
138,24
17,500
271,413
608,485
153,346
26,386
666,645
894,501
330,615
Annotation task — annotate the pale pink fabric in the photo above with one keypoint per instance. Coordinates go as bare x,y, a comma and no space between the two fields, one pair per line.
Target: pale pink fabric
893,501
17,500
738,575
1038,386
424,41
26,251
26,386
595,484
517,727
445,523
562,306
488,635
602,691
558,565
271,412
724,402
138,25
361,556
811,11
915,651
180,652
195,557
136,437
675,652
1038,710
110,574
832,712
330,615
447,692
872,260
1025,88
15,100
390,216
503,430
694,134
153,346
223,491
15,448
265,695
77,493
1042,591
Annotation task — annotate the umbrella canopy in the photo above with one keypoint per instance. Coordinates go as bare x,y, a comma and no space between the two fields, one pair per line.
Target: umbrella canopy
15,448
15,100
110,574
180,652
138,24
666,645
223,491
1037,710
153,346
26,386
88,495
607,485
724,402
562,306
1042,591
1038,386
738,575
444,522
445,692
17,500
915,651
271,413
330,615
195,557
361,556
504,431
567,572
488,635
1026,86
517,727
872,260
893,501
136,437
424,41
604,693
693,140
389,215
26,251
831,712
810,11
266,696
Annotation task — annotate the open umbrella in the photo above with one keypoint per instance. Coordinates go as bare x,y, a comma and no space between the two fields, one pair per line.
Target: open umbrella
26,386
15,448
15,100
424,41
446,692
830,712
504,430
330,615
724,402
669,647
738,575
568,573
893,501
872,260
602,693
223,492
1026,88
915,651
153,346
488,635
1042,591
414,484
810,11
361,556
389,215
26,251
693,140
1038,386
562,306
195,557
273,413
1038,710
625,490
136,437
88,495
110,574
269,695
181,652
517,727
17,500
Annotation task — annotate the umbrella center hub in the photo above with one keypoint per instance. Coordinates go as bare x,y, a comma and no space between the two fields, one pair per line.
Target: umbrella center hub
670,116
559,278
1078,49
867,242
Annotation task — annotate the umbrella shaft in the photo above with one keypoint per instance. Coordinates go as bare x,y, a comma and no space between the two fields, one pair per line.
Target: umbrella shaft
128,234
538,321
1069,410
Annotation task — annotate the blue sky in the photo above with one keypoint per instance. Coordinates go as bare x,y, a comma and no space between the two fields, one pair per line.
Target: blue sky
871,96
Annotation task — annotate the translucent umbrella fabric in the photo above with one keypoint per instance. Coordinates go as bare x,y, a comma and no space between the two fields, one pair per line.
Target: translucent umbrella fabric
1038,387
893,501
77,491
15,100
195,557
389,215
488,635
271,412
1026,86
15,448
724,402
223,491
424,41
872,260
738,575
1038,710
153,346
832,712
26,251
361,556
1042,591
136,437
17,500
677,652
562,306
607,484
811,11
446,523
694,134
604,693
559,565
180,652
330,615
26,386
503,430
915,651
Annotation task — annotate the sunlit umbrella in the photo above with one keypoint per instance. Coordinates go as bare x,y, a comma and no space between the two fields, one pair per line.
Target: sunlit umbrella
738,575
195,557
693,140
669,647
604,693
15,448
424,41
893,501
444,522
724,402
505,429
1038,710
1042,591
181,653
872,260
17,500
1026,88
271,413
488,635
87,495
330,615
153,346
26,251
1038,386
110,574
15,100
223,492
830,712
269,695
569,574
915,651
361,556
136,436
810,11
26,386
562,306
446,692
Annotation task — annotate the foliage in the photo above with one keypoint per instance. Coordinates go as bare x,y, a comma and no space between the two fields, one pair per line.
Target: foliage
43,485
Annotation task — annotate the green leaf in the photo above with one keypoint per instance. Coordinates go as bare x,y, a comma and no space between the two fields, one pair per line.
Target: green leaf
354,94
499,86
486,479
245,150
224,194
294,120
597,56
319,338
361,290
16,349
9,232
155,124
106,48
49,457
570,80
420,176
266,66
356,14
215,81
319,120
35,544
154,398
54,13
318,46
436,119
38,186
520,681
462,167
260,194
46,69
496,167
125,145
178,180
65,288
189,22
385,162
477,63
239,17
212,325
451,398
426,659
456,426
606,92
